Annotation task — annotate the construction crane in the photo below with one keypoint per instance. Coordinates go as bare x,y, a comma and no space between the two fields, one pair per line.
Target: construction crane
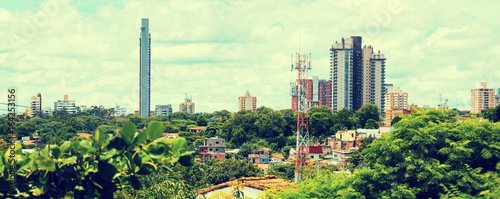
299,90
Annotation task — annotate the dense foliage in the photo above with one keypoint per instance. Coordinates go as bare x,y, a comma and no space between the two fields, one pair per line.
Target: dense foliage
91,168
428,155
492,114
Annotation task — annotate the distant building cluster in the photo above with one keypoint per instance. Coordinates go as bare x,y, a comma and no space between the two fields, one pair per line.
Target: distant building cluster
319,93
247,102
357,77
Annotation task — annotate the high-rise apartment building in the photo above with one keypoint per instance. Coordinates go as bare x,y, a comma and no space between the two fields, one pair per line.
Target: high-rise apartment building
145,69
163,109
319,93
247,102
36,105
187,106
357,75
66,104
396,99
346,73
482,98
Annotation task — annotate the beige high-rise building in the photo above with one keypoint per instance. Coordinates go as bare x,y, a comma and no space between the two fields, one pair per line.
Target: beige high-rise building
373,78
247,102
187,106
35,105
482,98
396,99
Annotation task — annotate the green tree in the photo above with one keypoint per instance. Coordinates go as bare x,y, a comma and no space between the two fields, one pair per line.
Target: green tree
231,169
202,121
396,120
367,112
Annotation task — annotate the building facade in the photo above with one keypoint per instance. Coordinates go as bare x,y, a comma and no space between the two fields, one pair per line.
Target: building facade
346,73
373,77
247,102
187,106
145,69
497,97
120,111
36,105
482,98
66,104
357,75
319,93
47,111
213,148
388,88
396,99
163,109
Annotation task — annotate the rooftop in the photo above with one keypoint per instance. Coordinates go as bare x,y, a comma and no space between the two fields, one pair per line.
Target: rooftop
261,183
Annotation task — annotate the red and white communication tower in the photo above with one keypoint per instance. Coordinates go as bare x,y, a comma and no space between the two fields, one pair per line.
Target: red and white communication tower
299,91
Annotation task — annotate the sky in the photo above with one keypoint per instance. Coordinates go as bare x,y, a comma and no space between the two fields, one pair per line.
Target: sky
215,50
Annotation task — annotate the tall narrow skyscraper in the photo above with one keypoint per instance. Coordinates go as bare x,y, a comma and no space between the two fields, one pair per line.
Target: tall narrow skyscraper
145,69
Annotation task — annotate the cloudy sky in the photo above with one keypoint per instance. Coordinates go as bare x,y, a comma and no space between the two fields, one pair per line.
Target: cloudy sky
216,50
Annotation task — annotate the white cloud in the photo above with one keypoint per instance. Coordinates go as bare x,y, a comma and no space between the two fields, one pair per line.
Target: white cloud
215,51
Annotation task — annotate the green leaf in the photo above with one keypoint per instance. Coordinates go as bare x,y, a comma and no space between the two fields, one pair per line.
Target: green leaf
65,146
46,164
140,138
99,137
108,154
117,143
157,149
106,170
68,161
137,159
155,129
55,151
128,131
76,145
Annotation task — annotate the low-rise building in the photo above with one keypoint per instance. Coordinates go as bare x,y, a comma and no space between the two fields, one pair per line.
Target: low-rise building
365,133
213,148
276,159
263,156
315,152
197,129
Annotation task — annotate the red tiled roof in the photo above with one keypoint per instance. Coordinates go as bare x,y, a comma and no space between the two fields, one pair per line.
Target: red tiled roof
315,149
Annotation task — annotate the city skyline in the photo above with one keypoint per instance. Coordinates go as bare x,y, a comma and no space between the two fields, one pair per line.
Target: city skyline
217,50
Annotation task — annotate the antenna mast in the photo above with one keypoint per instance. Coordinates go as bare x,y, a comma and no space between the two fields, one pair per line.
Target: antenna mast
299,90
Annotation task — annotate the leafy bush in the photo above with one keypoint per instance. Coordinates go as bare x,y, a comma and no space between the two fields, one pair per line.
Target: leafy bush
91,168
